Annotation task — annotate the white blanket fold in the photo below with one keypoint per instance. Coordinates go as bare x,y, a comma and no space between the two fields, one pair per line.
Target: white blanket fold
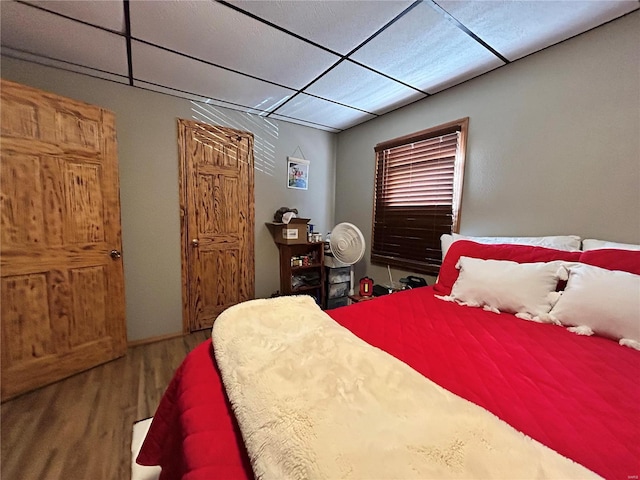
315,401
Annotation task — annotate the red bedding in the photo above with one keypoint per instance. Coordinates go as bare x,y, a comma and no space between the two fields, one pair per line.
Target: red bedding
578,395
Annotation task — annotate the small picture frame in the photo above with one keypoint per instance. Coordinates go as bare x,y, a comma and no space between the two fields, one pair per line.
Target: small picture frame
297,173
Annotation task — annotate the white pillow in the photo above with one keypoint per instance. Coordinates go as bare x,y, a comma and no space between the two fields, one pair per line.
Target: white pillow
591,244
607,301
446,240
569,243
526,289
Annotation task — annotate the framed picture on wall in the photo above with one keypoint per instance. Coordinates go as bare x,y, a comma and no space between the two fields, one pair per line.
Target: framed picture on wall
297,173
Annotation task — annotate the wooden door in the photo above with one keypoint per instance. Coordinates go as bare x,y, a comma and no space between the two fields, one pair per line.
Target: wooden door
217,228
62,292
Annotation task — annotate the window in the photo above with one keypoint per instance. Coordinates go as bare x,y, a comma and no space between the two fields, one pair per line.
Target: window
417,196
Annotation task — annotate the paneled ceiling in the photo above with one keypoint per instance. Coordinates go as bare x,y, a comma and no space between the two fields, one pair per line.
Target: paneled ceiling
328,64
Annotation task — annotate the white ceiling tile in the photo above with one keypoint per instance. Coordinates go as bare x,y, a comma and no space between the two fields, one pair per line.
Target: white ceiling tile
191,96
315,110
29,29
425,50
516,29
154,65
247,120
104,13
359,87
216,33
339,25
302,122
12,53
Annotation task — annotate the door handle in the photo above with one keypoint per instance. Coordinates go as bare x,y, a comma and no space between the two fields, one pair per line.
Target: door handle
115,254
195,242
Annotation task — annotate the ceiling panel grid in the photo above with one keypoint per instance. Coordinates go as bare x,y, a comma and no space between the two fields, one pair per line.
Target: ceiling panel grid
328,64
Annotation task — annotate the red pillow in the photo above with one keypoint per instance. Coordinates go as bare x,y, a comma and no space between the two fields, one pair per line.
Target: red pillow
516,253
624,260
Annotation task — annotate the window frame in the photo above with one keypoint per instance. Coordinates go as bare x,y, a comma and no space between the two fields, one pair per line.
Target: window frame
430,265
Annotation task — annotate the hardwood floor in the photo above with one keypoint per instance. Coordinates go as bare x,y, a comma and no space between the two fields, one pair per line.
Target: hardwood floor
80,427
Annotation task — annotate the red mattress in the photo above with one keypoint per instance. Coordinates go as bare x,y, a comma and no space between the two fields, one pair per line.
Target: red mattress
578,395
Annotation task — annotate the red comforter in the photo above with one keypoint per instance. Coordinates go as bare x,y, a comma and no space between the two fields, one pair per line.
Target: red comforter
578,395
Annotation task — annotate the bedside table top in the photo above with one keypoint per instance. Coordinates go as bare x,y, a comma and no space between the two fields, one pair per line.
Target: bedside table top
358,298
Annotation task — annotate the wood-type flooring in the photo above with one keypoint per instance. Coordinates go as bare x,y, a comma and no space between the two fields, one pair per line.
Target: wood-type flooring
80,427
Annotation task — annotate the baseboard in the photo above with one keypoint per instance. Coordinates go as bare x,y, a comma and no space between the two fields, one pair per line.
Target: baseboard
159,338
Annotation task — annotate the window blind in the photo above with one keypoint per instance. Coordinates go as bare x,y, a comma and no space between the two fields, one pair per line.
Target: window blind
415,199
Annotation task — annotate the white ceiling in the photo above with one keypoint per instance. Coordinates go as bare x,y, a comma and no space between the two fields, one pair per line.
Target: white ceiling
329,64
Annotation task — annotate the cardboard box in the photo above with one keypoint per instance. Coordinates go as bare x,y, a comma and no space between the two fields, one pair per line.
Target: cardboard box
292,233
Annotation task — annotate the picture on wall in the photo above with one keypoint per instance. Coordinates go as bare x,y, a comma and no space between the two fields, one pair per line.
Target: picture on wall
297,173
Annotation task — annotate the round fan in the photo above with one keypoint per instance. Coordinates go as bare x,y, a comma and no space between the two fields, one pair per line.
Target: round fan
347,246
347,243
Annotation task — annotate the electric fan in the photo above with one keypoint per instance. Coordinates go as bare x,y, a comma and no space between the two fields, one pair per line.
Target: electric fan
347,246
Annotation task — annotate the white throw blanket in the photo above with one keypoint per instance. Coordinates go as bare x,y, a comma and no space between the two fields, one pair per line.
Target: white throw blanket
315,401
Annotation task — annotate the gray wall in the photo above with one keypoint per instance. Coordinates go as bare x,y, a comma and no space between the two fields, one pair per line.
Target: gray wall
553,146
148,156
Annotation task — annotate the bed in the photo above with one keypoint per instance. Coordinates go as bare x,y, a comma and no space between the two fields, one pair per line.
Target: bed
576,395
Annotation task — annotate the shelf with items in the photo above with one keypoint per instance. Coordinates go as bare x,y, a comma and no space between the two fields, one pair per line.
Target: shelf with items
309,278
305,288
302,271
306,267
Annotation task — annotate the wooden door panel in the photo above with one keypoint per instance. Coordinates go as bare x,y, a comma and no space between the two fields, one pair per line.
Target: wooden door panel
62,293
26,332
19,118
221,290
228,213
85,207
72,129
34,189
88,290
53,201
66,310
213,148
218,284
217,206
22,217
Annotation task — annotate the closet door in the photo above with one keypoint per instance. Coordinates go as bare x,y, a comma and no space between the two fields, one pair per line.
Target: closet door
217,207
62,285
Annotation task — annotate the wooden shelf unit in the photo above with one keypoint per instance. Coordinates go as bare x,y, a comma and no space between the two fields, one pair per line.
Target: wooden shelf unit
288,272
